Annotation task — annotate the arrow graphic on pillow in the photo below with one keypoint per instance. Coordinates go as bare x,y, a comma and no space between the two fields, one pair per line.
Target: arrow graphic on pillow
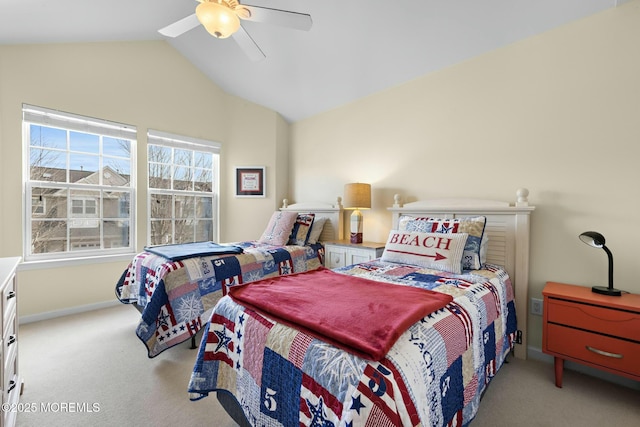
436,257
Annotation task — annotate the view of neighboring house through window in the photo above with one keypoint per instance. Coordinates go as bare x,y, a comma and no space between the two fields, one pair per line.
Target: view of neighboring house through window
183,189
79,184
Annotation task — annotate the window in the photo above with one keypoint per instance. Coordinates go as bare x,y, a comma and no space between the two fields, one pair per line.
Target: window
79,183
183,189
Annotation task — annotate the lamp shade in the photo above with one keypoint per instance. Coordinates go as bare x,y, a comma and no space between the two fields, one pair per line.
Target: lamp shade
596,240
217,18
593,238
357,196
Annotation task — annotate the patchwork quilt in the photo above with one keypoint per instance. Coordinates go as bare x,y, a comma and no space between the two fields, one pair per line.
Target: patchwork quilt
175,296
434,375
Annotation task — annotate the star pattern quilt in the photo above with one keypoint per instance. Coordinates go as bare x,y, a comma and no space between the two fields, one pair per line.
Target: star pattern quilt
434,375
176,296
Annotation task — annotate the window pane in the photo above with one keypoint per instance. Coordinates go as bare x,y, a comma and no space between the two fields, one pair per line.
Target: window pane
184,207
159,154
184,229
48,165
159,176
48,236
204,207
52,200
83,168
116,147
42,136
161,231
85,203
204,231
161,206
183,157
203,160
116,204
182,178
203,178
116,234
84,142
116,172
83,238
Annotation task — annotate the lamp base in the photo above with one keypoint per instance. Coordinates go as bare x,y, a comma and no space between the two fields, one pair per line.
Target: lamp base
606,291
356,227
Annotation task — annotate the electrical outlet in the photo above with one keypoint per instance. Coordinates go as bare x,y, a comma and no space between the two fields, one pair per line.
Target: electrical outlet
536,306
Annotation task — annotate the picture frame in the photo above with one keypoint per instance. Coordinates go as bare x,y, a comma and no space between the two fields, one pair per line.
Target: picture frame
250,181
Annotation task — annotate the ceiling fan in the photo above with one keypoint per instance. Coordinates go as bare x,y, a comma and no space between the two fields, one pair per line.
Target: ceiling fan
221,18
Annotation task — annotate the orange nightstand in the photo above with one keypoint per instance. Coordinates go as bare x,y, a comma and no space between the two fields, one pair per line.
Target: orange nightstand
596,330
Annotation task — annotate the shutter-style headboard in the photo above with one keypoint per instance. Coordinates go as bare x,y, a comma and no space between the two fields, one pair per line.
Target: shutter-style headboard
508,230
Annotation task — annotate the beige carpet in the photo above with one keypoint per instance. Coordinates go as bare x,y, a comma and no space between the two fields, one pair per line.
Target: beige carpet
95,358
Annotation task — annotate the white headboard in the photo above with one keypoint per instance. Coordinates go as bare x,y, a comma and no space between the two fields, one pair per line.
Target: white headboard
508,231
333,228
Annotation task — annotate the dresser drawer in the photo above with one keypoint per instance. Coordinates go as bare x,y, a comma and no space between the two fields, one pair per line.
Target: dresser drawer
8,302
608,321
575,344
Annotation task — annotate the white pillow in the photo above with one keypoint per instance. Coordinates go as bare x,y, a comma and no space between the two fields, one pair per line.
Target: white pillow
279,228
316,230
475,254
430,250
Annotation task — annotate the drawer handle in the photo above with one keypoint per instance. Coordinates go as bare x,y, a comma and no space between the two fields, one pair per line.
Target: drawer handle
604,353
11,340
10,295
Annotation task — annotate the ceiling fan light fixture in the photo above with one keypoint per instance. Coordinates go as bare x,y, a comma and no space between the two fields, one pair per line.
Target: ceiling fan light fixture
217,18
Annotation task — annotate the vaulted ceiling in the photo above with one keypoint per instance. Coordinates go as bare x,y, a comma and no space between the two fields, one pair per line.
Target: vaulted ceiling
354,48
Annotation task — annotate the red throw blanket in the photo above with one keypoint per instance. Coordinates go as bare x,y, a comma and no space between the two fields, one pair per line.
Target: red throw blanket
361,316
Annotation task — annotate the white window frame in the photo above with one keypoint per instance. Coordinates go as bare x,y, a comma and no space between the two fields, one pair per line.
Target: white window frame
35,115
156,137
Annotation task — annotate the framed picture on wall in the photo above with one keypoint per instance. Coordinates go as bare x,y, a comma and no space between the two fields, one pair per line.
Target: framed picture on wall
250,181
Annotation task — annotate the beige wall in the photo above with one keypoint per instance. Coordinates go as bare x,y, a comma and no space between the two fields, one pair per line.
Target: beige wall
558,113
146,84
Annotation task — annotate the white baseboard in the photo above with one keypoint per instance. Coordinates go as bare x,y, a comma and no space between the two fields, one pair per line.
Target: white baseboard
537,354
23,320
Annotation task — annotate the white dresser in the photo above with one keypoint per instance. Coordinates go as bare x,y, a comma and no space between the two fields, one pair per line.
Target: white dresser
11,382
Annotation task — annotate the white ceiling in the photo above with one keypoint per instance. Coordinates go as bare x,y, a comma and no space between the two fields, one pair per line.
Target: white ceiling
354,48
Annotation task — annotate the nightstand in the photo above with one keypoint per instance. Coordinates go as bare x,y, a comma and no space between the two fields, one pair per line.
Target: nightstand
340,253
596,330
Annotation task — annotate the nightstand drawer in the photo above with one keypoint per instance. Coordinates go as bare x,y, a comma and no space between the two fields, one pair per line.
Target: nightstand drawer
607,352
593,318
335,257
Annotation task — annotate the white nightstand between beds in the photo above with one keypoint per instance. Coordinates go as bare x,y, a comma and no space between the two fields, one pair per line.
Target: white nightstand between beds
339,253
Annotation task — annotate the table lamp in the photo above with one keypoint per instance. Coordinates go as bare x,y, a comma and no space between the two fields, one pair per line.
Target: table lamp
357,196
596,240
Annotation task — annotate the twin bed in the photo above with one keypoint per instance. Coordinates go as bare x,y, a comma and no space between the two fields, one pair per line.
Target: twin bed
412,338
176,286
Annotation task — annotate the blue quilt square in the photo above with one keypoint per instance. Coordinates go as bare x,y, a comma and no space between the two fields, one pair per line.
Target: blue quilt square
512,322
280,255
226,267
489,341
452,390
280,390
425,281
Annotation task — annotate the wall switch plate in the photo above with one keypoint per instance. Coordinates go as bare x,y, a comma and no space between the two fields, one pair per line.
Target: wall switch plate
536,306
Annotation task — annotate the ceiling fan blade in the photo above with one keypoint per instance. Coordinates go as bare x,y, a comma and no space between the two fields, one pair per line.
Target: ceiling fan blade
180,27
247,44
283,18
